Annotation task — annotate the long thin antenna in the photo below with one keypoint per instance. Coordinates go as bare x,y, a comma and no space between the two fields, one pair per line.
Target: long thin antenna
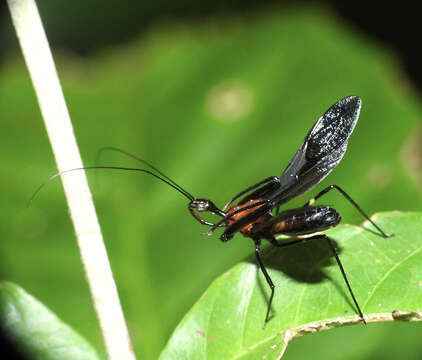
185,193
112,148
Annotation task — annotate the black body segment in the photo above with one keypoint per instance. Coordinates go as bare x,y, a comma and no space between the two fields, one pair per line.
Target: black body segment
301,221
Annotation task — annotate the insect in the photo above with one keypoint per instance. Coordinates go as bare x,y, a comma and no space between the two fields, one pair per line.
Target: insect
254,216
321,151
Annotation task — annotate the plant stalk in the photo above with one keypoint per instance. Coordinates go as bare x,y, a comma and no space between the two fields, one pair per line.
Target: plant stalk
39,61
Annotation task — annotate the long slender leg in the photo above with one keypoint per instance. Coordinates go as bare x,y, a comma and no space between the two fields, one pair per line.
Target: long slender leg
335,253
267,278
331,187
333,249
270,179
204,222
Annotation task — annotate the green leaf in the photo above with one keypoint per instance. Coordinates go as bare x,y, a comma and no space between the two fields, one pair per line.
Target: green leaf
385,274
37,330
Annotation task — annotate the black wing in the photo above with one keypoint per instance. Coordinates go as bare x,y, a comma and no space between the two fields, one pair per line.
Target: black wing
321,151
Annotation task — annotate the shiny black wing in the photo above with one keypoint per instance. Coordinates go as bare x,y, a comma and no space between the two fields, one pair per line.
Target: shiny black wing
321,151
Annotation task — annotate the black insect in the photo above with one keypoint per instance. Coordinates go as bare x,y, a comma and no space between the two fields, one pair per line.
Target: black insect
321,151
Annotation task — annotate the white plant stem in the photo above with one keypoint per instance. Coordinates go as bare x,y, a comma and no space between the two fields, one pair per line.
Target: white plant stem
39,60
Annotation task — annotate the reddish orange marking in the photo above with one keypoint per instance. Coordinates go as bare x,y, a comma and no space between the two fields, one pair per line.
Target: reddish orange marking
247,228
280,226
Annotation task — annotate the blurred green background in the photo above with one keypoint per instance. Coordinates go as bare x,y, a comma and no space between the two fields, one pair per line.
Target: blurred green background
217,103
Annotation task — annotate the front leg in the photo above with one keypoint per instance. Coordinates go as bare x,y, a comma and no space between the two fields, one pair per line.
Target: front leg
267,278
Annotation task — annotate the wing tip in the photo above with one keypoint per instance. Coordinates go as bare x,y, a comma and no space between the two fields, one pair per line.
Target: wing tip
352,102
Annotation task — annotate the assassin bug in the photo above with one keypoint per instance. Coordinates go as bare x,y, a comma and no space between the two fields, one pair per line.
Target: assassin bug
323,148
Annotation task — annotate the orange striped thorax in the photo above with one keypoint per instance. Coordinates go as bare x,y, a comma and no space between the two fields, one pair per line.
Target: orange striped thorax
248,227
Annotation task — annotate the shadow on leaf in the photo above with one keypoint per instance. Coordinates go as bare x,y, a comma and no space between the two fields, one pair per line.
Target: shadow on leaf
303,262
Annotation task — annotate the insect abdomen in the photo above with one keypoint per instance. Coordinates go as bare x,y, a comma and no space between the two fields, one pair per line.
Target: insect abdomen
305,221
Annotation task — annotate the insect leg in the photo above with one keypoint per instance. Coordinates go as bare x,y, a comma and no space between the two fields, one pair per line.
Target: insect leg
267,278
333,249
331,187
275,243
269,180
204,222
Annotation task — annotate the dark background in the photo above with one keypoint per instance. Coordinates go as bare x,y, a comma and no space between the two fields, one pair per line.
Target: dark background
395,24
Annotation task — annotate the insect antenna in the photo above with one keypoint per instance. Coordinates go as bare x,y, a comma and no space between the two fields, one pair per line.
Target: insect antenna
163,179
112,148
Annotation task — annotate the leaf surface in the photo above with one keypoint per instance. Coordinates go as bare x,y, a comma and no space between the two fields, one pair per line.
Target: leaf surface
38,331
